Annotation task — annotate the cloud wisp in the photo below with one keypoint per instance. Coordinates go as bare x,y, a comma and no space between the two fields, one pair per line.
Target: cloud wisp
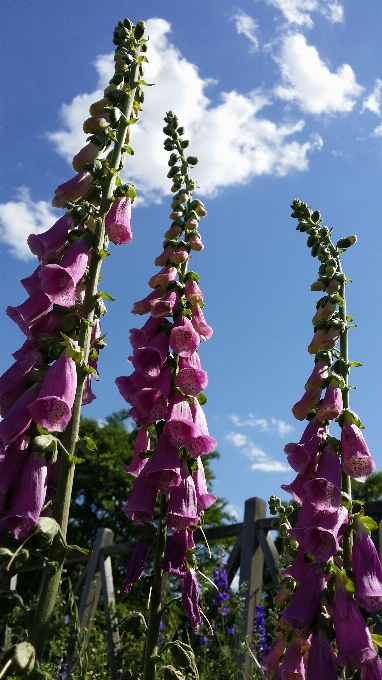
259,459
247,26
373,103
273,425
299,11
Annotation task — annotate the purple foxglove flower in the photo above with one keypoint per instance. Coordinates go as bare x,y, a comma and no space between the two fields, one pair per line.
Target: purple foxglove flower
353,638
175,554
151,403
140,506
72,190
324,313
181,255
192,292
18,418
144,306
117,221
166,306
297,487
190,598
32,282
140,337
27,347
299,567
179,426
372,670
24,315
13,381
325,490
59,281
182,509
87,154
323,539
164,277
164,257
11,462
142,443
183,338
28,497
139,418
130,385
270,663
191,378
318,376
88,395
305,602
367,570
195,243
163,469
203,498
49,244
199,323
200,443
293,664
148,361
321,660
317,341
300,454
356,459
332,404
331,338
136,565
310,400
53,407
46,325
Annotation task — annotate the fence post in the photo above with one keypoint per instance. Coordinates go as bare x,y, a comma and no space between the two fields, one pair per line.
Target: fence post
112,630
251,570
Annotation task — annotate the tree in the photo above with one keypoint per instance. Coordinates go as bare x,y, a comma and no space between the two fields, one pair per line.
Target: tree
371,490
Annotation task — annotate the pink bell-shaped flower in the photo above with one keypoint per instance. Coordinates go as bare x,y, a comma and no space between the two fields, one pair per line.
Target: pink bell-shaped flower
87,154
148,361
293,664
191,378
118,221
18,418
53,407
203,498
372,670
183,338
321,663
318,376
367,569
300,454
305,602
26,314
136,565
353,638
190,598
164,277
11,463
356,459
324,490
165,306
179,426
200,443
13,381
59,281
175,554
28,497
199,323
144,306
182,509
140,506
72,190
192,292
142,443
332,404
310,400
140,337
49,244
271,661
163,469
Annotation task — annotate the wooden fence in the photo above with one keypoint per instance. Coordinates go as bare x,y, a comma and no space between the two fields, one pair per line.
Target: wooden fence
253,551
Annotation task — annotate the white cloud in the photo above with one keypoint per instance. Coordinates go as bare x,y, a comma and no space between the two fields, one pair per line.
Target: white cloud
307,80
235,511
298,11
233,142
272,425
378,131
373,103
249,449
248,27
22,217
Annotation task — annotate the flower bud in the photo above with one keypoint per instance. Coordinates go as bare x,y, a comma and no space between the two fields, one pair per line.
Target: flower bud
97,108
192,160
174,231
317,286
139,30
195,243
177,214
97,123
180,255
346,242
88,154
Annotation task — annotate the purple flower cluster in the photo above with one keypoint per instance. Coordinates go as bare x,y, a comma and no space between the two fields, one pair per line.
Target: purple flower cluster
260,632
165,386
220,579
324,517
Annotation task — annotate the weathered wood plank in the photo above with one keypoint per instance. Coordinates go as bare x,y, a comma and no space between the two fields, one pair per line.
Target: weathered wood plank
111,620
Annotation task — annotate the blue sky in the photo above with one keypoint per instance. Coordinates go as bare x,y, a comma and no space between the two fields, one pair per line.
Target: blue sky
280,99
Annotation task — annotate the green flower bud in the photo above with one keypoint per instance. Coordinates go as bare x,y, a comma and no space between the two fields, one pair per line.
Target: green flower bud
192,160
191,185
312,239
173,171
317,285
174,156
316,216
314,250
139,30
117,79
346,242
283,530
323,253
135,624
182,654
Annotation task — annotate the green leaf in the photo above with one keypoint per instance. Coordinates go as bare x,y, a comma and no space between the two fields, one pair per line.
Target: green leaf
90,370
89,443
42,430
131,121
368,523
349,585
377,639
354,363
105,296
202,399
141,58
349,318
191,275
128,149
84,551
143,82
103,253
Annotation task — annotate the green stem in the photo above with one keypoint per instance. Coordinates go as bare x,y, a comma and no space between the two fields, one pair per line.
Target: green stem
346,481
52,576
151,647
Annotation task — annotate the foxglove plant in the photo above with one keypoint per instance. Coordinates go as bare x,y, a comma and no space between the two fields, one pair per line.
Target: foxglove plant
42,393
165,394
333,571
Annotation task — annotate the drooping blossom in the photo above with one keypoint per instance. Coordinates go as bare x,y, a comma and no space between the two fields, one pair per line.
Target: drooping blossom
356,458
163,469
175,554
367,569
87,154
191,378
318,375
136,565
305,601
332,404
203,498
59,281
372,670
142,443
49,244
293,664
179,426
144,306
72,190
271,661
141,503
53,407
11,463
353,638
200,442
28,497
148,361
300,454
118,221
325,489
18,418
182,511
183,338
13,381
199,323
190,598
309,401
26,314
321,664
164,277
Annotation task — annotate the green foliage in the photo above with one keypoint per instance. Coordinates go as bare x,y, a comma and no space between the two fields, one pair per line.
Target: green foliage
371,490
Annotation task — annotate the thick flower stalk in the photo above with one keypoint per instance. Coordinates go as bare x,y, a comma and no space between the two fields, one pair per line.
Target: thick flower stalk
165,394
41,394
333,575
